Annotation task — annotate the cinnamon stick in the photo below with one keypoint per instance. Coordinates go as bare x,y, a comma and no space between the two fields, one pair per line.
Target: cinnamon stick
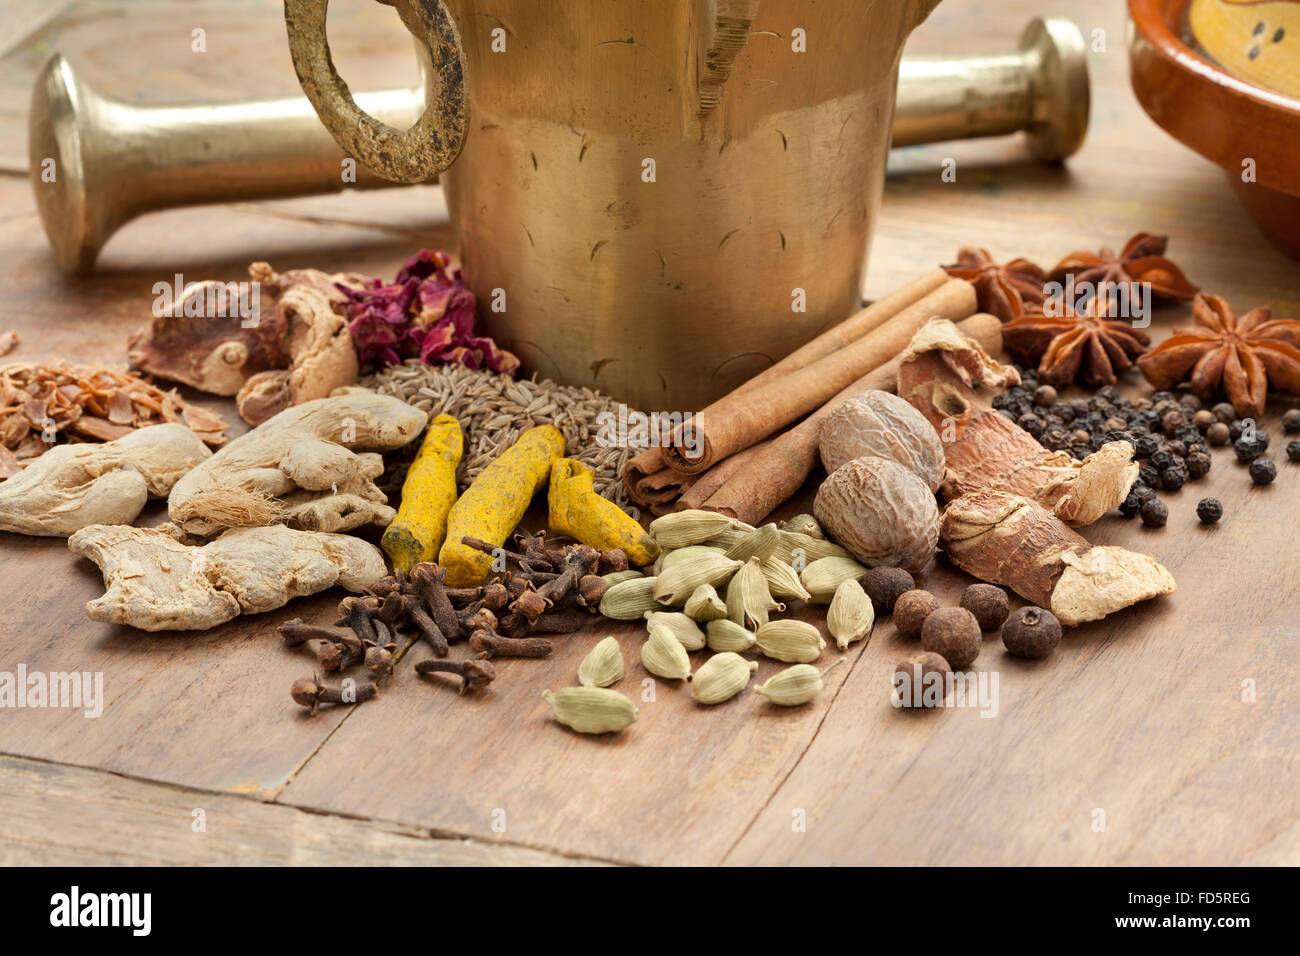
744,418
773,472
643,473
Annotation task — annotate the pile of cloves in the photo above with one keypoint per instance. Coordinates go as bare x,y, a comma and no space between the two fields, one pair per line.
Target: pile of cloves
544,588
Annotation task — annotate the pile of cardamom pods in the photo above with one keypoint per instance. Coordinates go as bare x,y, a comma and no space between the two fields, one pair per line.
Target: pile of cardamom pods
716,585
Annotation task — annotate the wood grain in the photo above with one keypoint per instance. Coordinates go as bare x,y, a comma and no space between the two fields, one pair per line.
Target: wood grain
55,815
1140,716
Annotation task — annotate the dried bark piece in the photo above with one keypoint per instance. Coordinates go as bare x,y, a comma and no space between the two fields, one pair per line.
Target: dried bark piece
218,354
939,374
321,358
156,583
1009,540
8,341
299,468
73,486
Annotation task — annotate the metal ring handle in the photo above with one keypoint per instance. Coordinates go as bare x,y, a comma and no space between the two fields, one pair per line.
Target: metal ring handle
412,156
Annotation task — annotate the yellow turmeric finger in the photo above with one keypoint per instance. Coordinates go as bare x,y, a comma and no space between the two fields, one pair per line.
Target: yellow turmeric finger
575,509
493,505
428,493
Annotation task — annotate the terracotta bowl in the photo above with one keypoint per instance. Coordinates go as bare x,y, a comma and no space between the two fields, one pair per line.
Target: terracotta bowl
1225,118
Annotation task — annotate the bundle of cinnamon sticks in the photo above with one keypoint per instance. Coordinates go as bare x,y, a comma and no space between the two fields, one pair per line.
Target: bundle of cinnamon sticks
753,449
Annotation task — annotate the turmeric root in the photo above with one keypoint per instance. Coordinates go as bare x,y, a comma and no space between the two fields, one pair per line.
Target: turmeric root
156,583
493,505
938,374
72,486
575,509
428,493
1012,541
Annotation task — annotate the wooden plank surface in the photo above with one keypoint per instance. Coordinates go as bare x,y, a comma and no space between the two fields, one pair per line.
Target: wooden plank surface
54,815
1139,716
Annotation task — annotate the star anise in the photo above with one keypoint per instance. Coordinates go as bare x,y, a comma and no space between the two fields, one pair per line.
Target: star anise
1142,261
1004,290
1240,355
1089,346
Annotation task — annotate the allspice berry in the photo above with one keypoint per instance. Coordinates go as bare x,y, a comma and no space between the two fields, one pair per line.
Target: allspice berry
1032,632
954,633
885,585
911,610
989,604
921,680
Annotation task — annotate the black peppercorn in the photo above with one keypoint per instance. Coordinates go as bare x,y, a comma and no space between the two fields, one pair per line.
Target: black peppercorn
1225,413
1173,478
1142,491
1246,449
1190,402
1146,447
1291,422
1262,471
1162,396
1162,459
1032,424
1293,451
1055,438
1236,428
1187,434
1064,411
1209,510
1198,464
1203,419
1176,448
1149,475
1154,513
1131,505
1044,395
1218,434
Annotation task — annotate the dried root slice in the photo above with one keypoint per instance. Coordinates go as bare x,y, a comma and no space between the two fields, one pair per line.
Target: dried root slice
1010,540
939,374
156,583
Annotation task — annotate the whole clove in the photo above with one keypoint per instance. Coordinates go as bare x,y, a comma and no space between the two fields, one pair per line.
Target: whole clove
487,643
430,580
356,613
298,632
474,674
310,693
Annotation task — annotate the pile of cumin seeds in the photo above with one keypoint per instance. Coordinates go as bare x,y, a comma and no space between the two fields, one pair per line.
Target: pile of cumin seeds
494,410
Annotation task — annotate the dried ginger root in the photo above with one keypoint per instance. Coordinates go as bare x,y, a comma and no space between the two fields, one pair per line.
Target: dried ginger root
1015,542
72,486
156,583
299,469
321,358
939,373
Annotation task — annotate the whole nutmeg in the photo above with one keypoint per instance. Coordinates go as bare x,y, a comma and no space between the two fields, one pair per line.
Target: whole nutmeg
988,603
885,586
921,680
881,512
954,633
1032,632
911,610
885,426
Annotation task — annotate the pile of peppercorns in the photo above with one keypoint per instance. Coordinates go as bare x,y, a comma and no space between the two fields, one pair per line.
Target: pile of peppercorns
1171,437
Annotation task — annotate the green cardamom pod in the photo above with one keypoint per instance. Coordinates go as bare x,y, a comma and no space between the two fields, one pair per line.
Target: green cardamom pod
591,710
801,550
679,582
629,600
793,686
664,656
705,605
728,539
790,641
805,524
748,599
686,631
825,575
782,582
618,577
725,635
721,677
677,555
756,544
851,615
602,666
682,528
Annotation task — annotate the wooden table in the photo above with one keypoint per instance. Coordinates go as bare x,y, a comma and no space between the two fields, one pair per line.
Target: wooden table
1165,734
